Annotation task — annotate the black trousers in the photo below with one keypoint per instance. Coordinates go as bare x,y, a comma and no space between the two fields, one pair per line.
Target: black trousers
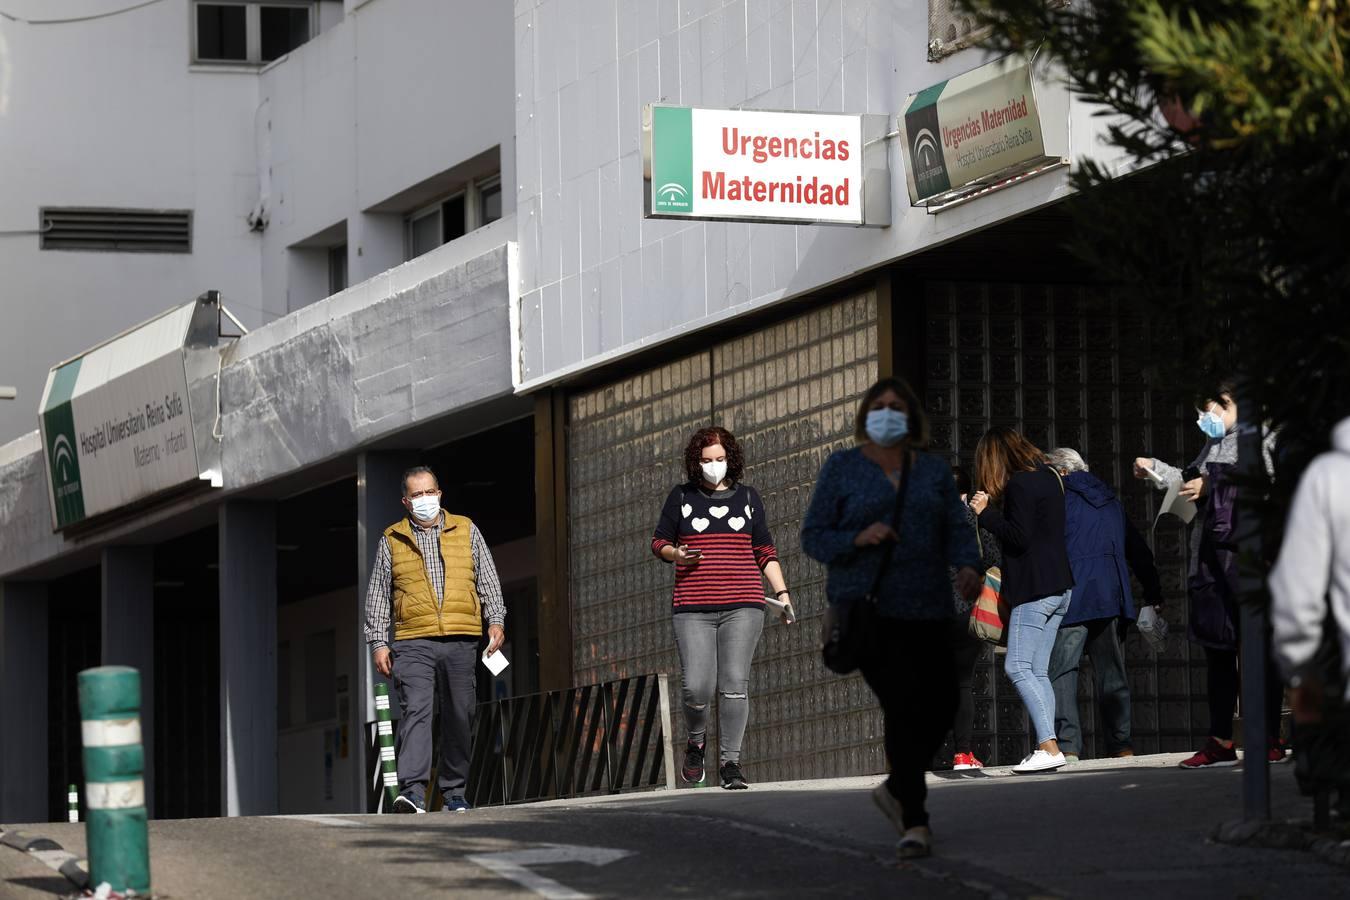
1223,683
427,671
913,675
966,652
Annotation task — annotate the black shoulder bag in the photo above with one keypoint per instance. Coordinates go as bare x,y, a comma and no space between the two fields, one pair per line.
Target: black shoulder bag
850,626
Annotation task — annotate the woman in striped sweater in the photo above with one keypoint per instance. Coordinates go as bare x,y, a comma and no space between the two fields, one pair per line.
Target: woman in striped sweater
714,530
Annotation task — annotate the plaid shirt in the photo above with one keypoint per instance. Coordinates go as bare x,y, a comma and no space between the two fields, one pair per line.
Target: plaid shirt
379,593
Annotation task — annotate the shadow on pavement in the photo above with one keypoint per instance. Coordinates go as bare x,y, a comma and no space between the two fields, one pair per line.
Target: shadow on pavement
54,885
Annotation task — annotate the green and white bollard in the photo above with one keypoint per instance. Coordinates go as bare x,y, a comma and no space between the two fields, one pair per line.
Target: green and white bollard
114,772
73,804
384,725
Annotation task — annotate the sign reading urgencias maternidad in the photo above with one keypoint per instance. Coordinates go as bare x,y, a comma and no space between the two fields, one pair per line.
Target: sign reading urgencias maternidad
978,131
761,166
116,421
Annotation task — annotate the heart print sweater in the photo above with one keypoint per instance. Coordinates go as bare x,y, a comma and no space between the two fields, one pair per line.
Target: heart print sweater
731,529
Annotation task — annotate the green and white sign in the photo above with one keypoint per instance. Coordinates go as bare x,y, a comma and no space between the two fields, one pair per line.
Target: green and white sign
115,422
62,443
972,131
753,165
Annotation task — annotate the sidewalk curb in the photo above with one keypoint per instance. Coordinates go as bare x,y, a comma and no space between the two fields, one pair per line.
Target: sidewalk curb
1285,836
50,854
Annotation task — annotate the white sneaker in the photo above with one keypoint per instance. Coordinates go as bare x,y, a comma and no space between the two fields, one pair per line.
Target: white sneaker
1038,761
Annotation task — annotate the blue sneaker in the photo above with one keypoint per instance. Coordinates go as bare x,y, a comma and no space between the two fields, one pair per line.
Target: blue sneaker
457,804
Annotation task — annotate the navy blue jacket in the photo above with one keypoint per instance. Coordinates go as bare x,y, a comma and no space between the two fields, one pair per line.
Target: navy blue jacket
1030,531
1103,546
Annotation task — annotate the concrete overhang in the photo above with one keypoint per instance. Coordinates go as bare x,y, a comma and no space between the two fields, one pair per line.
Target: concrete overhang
415,356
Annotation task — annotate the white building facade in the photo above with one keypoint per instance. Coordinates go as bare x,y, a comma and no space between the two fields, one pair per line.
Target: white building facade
429,214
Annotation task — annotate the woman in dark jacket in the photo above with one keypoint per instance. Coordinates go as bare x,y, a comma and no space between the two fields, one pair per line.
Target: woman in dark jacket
1037,579
1211,583
1103,548
849,528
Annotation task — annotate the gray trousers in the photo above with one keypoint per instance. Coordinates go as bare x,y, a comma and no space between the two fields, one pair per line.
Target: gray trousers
425,668
715,650
1101,639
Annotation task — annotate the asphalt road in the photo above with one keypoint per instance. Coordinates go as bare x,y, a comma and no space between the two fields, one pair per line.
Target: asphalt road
1098,831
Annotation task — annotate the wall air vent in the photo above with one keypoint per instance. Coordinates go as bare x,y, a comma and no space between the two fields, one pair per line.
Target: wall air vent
117,230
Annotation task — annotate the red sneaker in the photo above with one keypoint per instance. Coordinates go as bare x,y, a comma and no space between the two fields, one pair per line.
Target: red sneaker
965,761
1212,756
1276,753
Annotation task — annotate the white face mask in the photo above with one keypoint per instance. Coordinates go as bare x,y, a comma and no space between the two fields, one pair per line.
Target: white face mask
714,472
426,507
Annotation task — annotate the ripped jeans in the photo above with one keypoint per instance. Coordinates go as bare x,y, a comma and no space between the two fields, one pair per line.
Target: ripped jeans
715,650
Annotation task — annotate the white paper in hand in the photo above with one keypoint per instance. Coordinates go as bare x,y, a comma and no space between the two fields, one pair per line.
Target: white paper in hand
1154,629
1172,501
784,610
496,663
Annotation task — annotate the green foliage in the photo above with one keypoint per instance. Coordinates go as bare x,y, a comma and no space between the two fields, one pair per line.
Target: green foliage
1233,233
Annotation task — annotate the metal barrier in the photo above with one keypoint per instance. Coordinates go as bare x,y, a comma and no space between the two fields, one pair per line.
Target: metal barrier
600,738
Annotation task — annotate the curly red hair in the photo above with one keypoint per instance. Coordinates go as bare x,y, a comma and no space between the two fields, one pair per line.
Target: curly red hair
707,437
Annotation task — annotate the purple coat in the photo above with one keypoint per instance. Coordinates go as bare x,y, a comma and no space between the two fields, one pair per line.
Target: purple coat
1212,588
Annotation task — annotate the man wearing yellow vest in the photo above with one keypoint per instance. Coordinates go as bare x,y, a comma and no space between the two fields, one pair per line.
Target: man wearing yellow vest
434,577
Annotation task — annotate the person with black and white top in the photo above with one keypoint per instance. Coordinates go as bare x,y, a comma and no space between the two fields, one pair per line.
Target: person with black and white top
715,531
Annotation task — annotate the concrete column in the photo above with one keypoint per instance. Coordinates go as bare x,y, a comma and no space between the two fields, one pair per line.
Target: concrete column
248,658
379,492
129,634
551,540
23,702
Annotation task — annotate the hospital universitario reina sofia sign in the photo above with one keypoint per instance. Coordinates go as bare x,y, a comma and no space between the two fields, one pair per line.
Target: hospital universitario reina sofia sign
116,424
753,165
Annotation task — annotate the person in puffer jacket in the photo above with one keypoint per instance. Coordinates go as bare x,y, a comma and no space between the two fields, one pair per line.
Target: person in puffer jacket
1103,549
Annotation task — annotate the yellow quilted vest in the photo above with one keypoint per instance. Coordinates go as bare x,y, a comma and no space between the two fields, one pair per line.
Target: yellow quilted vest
416,610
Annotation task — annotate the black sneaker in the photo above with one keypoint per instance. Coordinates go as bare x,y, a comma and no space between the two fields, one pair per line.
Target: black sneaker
693,764
407,805
732,779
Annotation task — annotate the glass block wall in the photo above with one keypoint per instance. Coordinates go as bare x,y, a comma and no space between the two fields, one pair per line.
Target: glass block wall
788,392
1063,363
1066,366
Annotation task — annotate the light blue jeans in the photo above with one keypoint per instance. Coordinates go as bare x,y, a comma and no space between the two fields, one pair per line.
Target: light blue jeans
1031,640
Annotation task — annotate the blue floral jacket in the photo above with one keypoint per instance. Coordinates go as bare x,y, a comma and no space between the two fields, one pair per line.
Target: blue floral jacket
851,493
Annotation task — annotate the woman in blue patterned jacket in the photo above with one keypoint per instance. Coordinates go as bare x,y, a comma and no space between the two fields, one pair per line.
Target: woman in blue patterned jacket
849,528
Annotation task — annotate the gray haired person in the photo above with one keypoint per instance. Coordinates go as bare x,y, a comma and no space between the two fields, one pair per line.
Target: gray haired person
435,579
1103,548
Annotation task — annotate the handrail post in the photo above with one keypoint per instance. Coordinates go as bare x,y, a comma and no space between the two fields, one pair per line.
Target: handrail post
667,738
1252,622
388,762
